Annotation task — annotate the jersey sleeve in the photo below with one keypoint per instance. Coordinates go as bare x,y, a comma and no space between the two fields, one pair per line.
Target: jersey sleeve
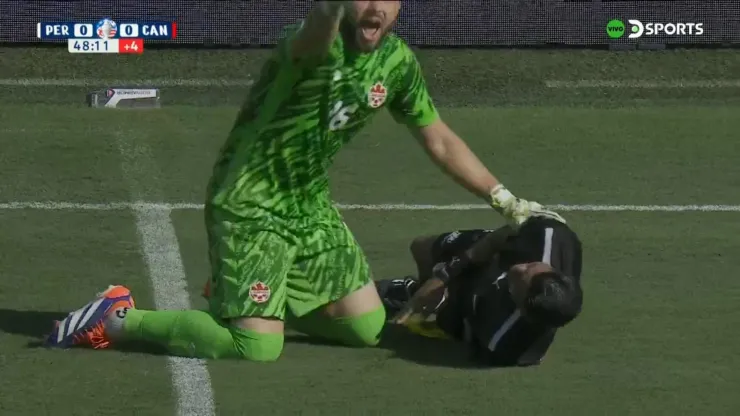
412,105
287,35
285,43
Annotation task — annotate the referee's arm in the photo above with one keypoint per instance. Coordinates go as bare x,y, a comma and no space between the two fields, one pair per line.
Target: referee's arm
480,253
431,292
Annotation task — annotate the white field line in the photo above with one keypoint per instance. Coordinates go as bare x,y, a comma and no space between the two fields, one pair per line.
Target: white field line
100,83
190,377
77,129
165,206
603,83
221,82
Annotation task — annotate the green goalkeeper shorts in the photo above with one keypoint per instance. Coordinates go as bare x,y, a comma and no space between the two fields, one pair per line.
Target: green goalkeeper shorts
258,268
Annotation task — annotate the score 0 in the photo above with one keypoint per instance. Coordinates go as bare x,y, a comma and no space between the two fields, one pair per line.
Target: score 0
83,30
129,30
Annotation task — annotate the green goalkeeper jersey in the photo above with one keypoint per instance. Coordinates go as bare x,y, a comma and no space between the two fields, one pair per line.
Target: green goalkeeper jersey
294,121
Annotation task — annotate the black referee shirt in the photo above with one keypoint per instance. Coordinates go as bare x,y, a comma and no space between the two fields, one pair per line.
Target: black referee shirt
479,308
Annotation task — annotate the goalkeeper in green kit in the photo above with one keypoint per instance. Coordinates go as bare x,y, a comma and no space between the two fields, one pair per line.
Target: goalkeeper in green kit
280,252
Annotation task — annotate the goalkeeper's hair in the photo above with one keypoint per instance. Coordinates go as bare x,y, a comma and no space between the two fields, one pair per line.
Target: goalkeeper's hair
553,299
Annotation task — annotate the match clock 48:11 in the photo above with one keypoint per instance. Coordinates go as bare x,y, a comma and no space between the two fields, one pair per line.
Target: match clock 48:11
131,46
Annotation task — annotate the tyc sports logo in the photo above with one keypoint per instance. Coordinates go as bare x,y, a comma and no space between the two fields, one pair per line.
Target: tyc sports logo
616,29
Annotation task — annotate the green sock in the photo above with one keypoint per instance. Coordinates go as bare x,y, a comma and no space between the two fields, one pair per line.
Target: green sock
354,331
197,334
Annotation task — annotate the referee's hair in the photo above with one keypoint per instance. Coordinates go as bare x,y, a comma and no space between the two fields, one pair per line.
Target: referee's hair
553,299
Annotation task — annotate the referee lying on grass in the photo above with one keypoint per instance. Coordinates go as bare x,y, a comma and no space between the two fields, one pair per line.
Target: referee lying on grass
503,292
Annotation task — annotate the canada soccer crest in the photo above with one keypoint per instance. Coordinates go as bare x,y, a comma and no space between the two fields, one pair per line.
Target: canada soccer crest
377,94
259,292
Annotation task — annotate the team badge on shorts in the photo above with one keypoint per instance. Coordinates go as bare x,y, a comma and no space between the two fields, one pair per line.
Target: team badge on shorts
377,94
259,292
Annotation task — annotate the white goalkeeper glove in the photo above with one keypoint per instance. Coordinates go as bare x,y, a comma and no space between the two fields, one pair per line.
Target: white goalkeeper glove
516,211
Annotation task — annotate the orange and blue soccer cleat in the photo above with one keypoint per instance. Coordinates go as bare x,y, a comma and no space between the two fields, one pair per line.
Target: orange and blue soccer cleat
86,326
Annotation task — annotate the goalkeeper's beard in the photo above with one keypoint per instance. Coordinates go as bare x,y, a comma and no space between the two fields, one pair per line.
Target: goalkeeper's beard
354,39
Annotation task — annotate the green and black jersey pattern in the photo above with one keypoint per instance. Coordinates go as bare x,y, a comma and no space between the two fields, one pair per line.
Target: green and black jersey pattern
294,121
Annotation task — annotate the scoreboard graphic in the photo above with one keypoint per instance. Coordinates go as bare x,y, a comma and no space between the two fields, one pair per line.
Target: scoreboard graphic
106,35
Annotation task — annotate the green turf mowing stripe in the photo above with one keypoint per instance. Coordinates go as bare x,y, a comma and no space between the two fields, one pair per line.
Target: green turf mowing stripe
656,335
190,378
166,206
99,83
53,263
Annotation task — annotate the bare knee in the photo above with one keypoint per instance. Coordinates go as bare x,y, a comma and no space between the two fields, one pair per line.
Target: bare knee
258,339
257,324
357,303
357,320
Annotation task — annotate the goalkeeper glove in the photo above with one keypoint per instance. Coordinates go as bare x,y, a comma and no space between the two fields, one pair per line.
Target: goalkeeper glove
515,210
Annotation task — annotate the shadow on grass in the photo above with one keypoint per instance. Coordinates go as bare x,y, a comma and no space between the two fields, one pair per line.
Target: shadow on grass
38,325
404,345
410,347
